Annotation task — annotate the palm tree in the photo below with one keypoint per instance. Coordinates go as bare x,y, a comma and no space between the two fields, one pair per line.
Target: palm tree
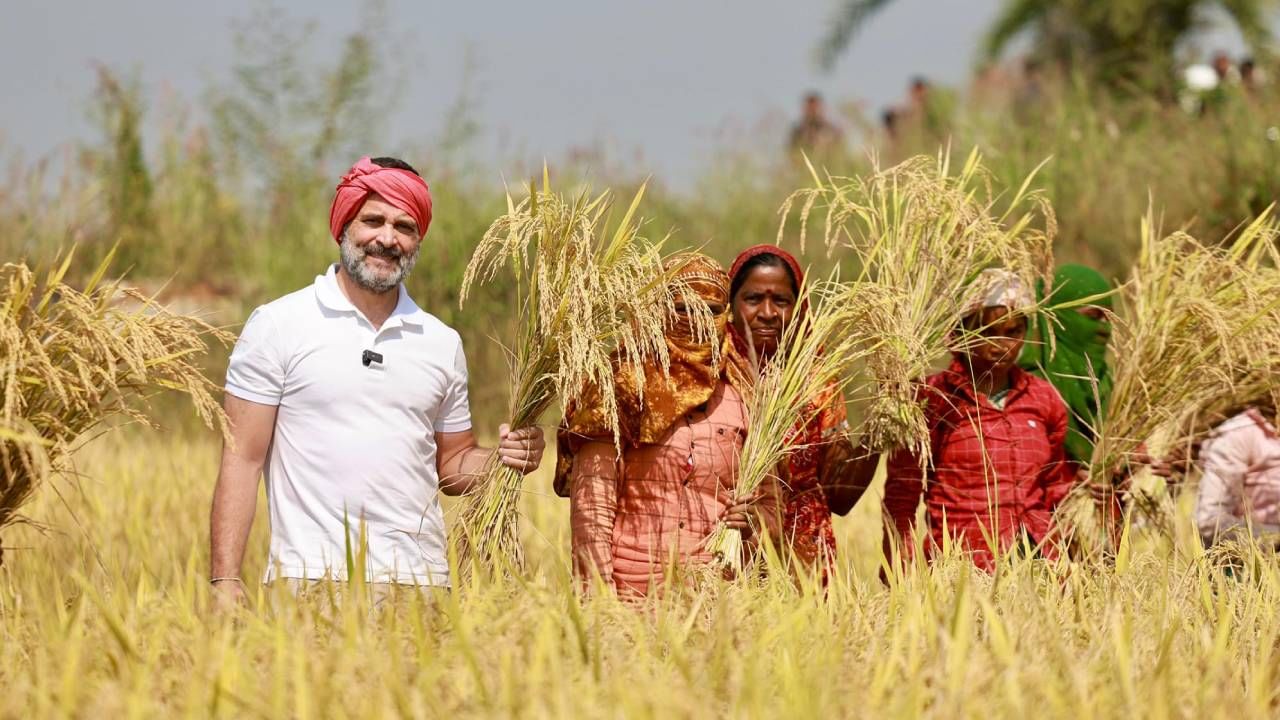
1124,41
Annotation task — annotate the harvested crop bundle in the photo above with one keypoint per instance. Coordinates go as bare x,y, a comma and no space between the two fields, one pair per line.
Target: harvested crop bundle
818,352
586,301
1196,332
921,233
71,359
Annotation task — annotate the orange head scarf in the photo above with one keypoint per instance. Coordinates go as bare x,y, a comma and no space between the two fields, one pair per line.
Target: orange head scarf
401,188
650,402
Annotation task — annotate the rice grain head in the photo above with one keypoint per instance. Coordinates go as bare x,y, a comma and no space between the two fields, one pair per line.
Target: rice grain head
70,359
1196,333
921,232
587,299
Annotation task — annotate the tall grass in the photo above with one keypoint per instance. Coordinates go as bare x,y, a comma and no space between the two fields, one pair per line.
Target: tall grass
108,616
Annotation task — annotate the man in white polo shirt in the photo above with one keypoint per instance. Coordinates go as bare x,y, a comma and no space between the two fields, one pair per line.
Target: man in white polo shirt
352,403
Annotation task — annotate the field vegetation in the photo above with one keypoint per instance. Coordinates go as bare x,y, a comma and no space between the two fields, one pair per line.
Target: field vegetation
105,613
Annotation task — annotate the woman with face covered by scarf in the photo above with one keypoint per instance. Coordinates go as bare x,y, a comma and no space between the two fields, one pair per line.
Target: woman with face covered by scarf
682,432
1069,349
824,473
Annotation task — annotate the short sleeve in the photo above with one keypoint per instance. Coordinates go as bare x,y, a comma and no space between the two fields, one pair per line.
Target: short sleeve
256,370
455,409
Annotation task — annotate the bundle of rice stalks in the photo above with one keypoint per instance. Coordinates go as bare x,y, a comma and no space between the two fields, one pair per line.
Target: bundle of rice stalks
819,350
921,233
1254,383
585,300
71,359
1197,331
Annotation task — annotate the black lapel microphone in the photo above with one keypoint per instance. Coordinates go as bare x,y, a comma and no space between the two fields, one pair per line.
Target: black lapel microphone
368,356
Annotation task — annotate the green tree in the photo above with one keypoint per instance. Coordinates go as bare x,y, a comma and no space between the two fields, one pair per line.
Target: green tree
1124,42
293,116
118,167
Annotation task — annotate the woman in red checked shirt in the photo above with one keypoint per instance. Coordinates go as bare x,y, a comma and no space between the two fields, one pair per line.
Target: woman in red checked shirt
998,466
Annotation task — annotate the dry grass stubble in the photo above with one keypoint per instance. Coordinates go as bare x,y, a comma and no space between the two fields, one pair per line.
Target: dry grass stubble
112,621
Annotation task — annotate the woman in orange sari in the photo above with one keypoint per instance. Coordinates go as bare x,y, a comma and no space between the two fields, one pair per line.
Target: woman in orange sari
632,513
824,474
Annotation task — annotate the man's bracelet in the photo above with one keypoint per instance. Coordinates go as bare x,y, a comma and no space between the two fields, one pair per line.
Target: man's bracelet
216,580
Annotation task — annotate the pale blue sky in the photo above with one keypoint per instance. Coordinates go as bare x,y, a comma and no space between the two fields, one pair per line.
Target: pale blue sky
659,83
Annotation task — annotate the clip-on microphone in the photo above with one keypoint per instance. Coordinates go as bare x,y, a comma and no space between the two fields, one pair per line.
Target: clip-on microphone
369,356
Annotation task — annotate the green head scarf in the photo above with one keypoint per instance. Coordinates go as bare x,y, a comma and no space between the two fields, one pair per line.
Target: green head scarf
1078,366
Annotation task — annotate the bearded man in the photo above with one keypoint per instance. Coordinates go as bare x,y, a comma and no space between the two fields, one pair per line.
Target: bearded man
352,403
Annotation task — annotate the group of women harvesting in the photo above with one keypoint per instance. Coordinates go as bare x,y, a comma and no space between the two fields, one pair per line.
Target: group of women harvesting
1009,419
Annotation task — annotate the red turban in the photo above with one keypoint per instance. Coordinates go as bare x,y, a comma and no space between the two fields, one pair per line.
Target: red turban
401,188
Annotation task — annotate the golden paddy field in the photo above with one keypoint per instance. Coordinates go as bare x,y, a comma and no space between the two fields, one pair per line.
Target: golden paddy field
104,612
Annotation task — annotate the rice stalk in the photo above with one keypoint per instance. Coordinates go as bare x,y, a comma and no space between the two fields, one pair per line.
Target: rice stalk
1197,333
921,232
820,349
586,301
70,359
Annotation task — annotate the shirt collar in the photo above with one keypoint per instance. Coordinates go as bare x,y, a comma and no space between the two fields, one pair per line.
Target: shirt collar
331,296
957,375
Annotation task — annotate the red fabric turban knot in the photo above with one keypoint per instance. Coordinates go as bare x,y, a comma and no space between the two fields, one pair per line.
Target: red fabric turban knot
401,188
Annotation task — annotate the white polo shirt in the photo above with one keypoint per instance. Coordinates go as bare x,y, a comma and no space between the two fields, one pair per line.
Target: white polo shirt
352,441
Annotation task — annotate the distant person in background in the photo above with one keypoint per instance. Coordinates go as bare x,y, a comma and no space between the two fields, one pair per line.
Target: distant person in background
1248,71
814,134
351,402
889,122
1240,486
1251,78
918,94
927,114
1216,88
1030,95
989,87
1224,67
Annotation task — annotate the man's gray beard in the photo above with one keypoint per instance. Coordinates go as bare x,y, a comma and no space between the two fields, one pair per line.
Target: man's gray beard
353,262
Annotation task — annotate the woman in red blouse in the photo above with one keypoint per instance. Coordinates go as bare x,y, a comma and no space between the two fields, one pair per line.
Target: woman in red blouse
824,473
998,467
